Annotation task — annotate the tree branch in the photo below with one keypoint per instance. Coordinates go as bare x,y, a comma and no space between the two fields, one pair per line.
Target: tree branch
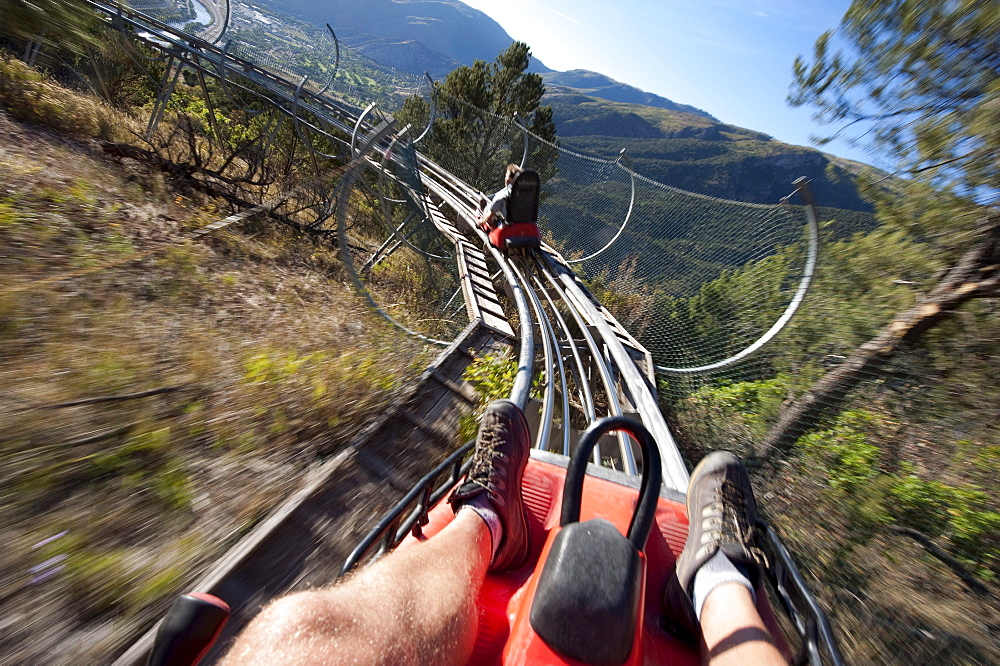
114,398
940,553
976,275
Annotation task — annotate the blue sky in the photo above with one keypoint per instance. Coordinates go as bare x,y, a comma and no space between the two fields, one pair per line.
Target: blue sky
732,58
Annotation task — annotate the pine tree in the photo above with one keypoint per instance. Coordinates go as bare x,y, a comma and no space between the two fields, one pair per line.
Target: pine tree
920,80
472,135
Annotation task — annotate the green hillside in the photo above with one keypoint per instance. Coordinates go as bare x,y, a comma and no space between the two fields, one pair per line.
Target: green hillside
698,154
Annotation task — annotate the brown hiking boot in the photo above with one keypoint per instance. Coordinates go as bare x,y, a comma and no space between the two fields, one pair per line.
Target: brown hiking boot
722,514
497,469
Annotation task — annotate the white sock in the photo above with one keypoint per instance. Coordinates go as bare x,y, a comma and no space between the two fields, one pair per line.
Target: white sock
713,573
485,510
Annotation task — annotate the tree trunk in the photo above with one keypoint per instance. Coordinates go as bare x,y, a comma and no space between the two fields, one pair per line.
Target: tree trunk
976,275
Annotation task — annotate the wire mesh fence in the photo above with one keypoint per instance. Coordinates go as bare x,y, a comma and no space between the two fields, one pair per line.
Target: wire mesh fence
394,254
658,256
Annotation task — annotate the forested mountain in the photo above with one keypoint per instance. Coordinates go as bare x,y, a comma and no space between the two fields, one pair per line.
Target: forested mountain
674,143
695,152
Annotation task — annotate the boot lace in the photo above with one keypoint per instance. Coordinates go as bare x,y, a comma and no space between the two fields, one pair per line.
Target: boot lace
484,473
734,528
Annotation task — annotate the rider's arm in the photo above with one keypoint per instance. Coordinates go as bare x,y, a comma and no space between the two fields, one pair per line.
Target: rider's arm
497,208
486,221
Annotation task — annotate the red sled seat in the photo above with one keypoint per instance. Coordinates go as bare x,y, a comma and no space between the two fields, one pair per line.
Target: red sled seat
515,236
520,230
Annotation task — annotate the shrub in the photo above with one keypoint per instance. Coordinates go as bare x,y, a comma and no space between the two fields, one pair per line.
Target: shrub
844,451
28,95
731,416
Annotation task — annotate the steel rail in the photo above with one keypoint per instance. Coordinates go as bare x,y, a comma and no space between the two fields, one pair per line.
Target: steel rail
604,368
674,471
459,196
567,336
547,335
586,397
176,43
444,185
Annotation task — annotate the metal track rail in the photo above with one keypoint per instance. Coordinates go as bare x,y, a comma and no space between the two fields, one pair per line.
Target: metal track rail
570,340
587,365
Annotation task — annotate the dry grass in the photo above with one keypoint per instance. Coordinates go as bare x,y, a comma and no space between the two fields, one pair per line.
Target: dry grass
28,95
107,509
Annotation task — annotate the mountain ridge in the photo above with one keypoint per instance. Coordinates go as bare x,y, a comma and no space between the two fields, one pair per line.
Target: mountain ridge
603,86
674,143
699,154
389,30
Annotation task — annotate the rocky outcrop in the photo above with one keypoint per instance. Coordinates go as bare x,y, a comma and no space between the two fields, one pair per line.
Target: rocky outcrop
610,124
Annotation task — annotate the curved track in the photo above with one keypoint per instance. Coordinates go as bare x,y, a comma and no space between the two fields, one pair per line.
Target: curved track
575,362
590,366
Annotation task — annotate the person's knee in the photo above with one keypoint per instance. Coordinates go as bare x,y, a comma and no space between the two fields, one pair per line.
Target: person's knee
302,613
287,630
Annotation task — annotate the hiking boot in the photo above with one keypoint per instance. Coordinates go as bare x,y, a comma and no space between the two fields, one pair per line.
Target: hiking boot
722,515
497,469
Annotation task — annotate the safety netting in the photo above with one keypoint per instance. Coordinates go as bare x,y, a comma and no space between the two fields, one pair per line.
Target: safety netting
884,482
394,254
657,256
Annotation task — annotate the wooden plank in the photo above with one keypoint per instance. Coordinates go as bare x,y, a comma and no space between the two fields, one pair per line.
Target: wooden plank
427,428
499,325
480,293
484,290
488,305
476,253
482,282
468,290
462,390
479,263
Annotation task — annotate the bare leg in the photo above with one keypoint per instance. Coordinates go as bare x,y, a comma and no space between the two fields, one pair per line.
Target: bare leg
415,606
732,630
